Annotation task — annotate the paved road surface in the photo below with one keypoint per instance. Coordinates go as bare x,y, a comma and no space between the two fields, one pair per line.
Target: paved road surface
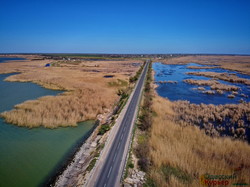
109,174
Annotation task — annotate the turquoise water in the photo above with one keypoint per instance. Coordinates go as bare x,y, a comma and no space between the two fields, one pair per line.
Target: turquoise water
29,156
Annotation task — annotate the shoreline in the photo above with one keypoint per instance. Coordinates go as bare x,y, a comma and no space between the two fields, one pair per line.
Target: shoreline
235,131
66,161
85,143
233,63
177,139
90,89
201,63
78,172
174,137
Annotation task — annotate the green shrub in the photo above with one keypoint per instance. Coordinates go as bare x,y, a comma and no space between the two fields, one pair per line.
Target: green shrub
91,164
104,128
131,165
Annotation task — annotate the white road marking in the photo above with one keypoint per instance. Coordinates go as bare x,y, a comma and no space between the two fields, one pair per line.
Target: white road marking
115,157
119,144
122,136
110,171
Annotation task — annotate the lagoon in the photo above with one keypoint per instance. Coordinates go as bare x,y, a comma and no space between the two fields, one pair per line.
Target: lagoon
28,157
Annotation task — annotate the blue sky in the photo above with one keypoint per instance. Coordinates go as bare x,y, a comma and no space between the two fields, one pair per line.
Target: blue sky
129,26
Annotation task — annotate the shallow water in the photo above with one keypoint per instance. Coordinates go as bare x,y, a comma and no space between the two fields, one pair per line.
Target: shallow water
28,156
185,91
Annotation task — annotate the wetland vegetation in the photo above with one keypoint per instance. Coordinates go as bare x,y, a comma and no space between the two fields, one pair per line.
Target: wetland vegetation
87,92
181,153
196,122
201,123
31,156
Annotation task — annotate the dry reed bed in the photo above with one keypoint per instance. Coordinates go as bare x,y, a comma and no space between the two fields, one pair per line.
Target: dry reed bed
202,67
215,85
225,87
236,63
201,82
222,76
89,93
63,110
215,118
180,154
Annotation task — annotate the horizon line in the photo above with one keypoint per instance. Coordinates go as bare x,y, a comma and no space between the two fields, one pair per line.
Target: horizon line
44,53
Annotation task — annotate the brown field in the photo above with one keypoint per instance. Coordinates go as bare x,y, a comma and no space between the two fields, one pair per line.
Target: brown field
181,154
237,63
88,92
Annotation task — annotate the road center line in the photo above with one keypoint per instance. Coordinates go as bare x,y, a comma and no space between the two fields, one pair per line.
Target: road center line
110,171
115,156
124,128
123,131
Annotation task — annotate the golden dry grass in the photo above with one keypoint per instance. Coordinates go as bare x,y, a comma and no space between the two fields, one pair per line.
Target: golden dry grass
222,76
236,117
201,82
63,110
190,151
238,63
215,85
202,67
89,93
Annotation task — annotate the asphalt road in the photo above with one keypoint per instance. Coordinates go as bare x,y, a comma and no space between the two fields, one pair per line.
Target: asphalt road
113,163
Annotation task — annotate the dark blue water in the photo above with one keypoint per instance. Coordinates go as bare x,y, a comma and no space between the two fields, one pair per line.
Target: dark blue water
185,91
3,59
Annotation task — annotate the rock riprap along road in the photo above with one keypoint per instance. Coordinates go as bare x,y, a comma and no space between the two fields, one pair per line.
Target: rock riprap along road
109,169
